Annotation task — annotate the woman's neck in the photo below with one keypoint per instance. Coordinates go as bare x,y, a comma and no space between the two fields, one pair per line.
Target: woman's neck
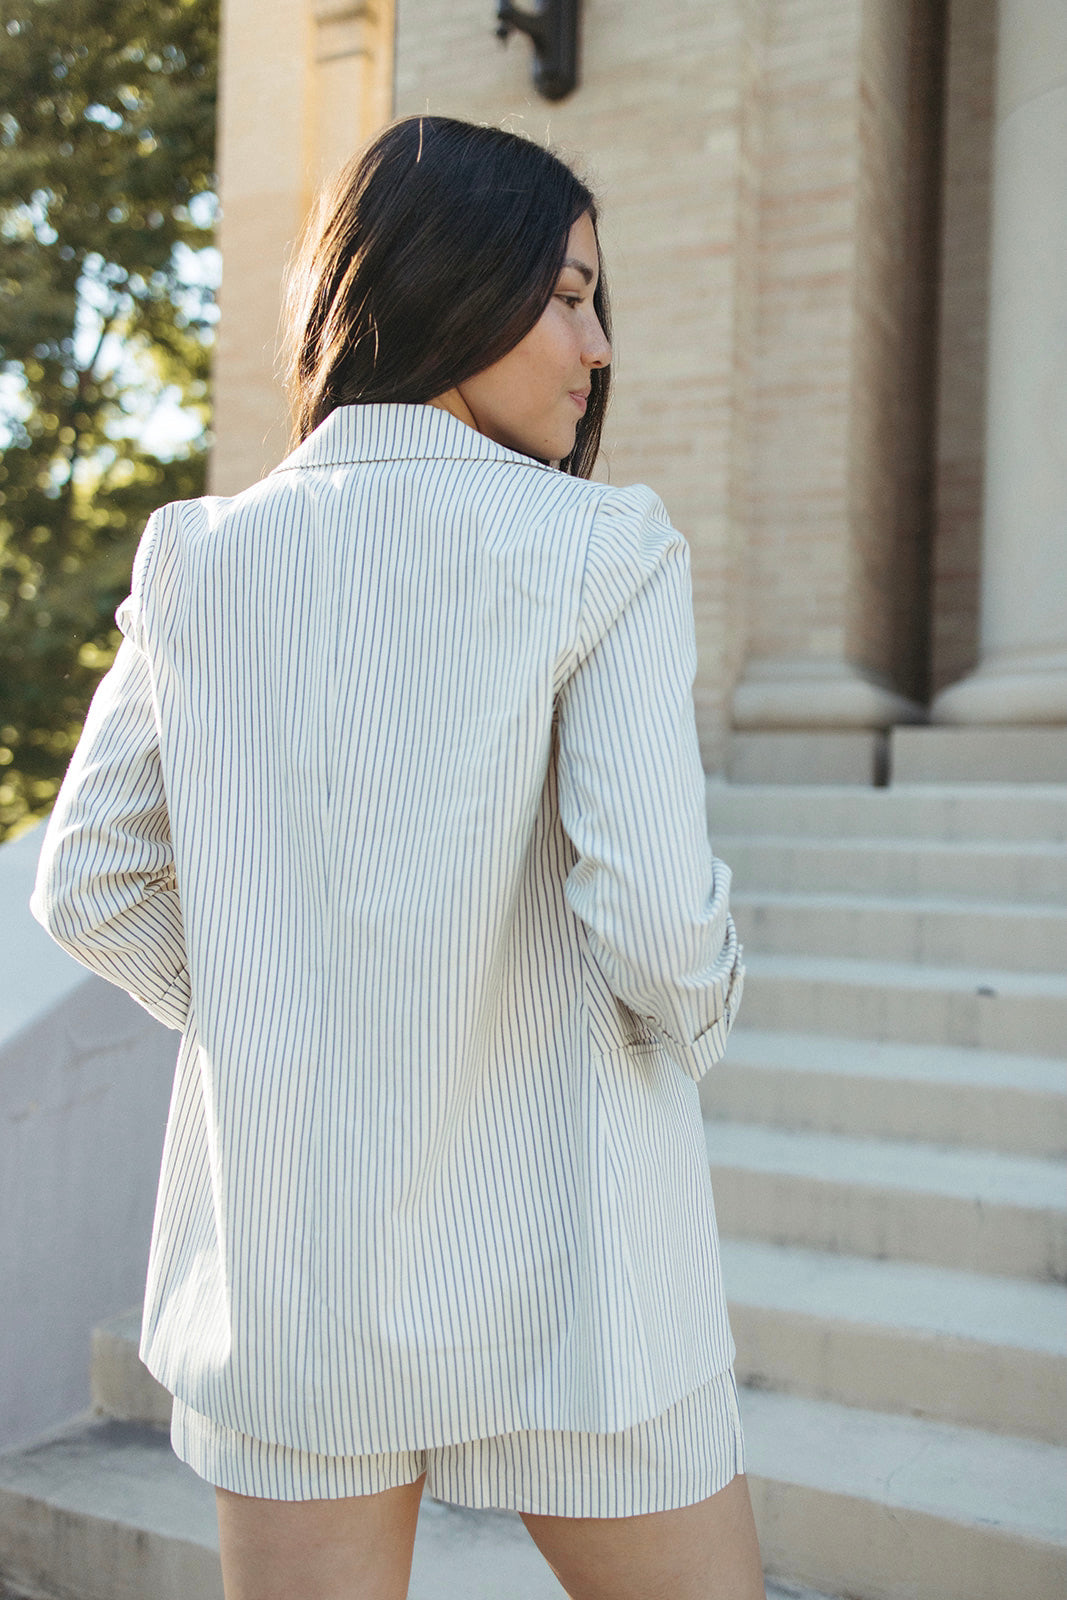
453,402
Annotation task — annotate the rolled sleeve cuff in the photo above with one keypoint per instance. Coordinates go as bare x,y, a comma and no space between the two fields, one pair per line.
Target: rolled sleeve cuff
171,1007
697,1056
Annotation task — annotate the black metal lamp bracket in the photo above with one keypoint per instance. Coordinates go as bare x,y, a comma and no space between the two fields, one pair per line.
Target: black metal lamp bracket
553,28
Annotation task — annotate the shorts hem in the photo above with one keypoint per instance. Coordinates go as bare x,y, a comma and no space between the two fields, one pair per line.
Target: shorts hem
686,1454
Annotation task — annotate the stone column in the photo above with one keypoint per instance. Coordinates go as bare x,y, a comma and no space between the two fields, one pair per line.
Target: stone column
1022,673
353,80
836,524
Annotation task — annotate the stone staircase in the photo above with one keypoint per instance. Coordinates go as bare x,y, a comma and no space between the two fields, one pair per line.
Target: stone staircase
887,1137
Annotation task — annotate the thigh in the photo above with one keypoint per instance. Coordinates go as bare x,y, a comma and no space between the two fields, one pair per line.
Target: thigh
357,1548
707,1551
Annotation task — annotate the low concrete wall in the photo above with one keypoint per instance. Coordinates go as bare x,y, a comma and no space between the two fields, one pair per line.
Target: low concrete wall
85,1079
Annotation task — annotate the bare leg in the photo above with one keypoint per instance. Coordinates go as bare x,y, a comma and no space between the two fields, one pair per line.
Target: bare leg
358,1548
704,1552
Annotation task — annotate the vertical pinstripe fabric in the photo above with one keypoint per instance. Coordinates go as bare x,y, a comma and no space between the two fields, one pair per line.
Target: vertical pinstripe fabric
392,803
689,1452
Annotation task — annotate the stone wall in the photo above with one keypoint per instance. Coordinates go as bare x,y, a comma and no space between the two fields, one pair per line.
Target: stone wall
85,1079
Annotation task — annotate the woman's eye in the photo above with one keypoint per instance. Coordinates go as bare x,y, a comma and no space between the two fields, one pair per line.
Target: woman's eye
572,300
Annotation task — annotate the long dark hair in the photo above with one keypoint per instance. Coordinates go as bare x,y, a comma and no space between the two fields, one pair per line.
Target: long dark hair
432,254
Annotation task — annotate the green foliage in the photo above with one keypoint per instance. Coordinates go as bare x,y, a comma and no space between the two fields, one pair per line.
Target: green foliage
107,148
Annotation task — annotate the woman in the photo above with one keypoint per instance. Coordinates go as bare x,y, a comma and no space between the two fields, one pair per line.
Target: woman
392,803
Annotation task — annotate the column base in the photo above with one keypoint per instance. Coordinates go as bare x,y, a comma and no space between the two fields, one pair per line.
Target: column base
1009,690
818,695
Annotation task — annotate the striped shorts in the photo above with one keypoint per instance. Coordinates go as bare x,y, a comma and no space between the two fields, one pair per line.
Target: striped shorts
684,1455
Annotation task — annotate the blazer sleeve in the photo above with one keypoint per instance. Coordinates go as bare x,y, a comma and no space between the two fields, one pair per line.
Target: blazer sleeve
653,898
106,888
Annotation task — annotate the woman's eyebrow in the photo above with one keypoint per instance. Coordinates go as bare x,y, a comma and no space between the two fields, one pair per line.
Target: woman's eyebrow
580,266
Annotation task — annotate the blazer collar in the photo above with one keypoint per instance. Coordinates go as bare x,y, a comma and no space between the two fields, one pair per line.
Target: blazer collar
397,432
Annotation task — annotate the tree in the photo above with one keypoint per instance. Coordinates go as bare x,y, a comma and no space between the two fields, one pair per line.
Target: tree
107,141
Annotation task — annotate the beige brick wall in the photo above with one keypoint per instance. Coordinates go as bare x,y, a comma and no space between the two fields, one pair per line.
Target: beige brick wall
799,506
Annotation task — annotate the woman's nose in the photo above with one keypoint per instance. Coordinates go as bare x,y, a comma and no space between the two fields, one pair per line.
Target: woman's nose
598,351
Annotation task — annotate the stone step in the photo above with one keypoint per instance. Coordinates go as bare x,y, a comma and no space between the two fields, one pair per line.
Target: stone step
1019,872
902,1508
995,813
977,1211
899,1336
942,1094
105,1511
931,931
898,1001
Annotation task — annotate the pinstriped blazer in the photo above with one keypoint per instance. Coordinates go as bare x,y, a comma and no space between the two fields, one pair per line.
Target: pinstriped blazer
392,804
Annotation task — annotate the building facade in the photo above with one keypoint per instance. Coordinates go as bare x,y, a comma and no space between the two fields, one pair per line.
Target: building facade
836,233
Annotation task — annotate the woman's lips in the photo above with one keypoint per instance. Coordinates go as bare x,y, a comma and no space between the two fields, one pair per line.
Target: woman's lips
580,398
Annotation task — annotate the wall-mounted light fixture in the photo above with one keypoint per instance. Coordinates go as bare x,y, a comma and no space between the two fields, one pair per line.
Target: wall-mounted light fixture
553,27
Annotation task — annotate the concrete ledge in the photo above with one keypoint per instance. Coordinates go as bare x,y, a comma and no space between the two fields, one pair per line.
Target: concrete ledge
850,757
122,1386
105,1511
85,1079
978,755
